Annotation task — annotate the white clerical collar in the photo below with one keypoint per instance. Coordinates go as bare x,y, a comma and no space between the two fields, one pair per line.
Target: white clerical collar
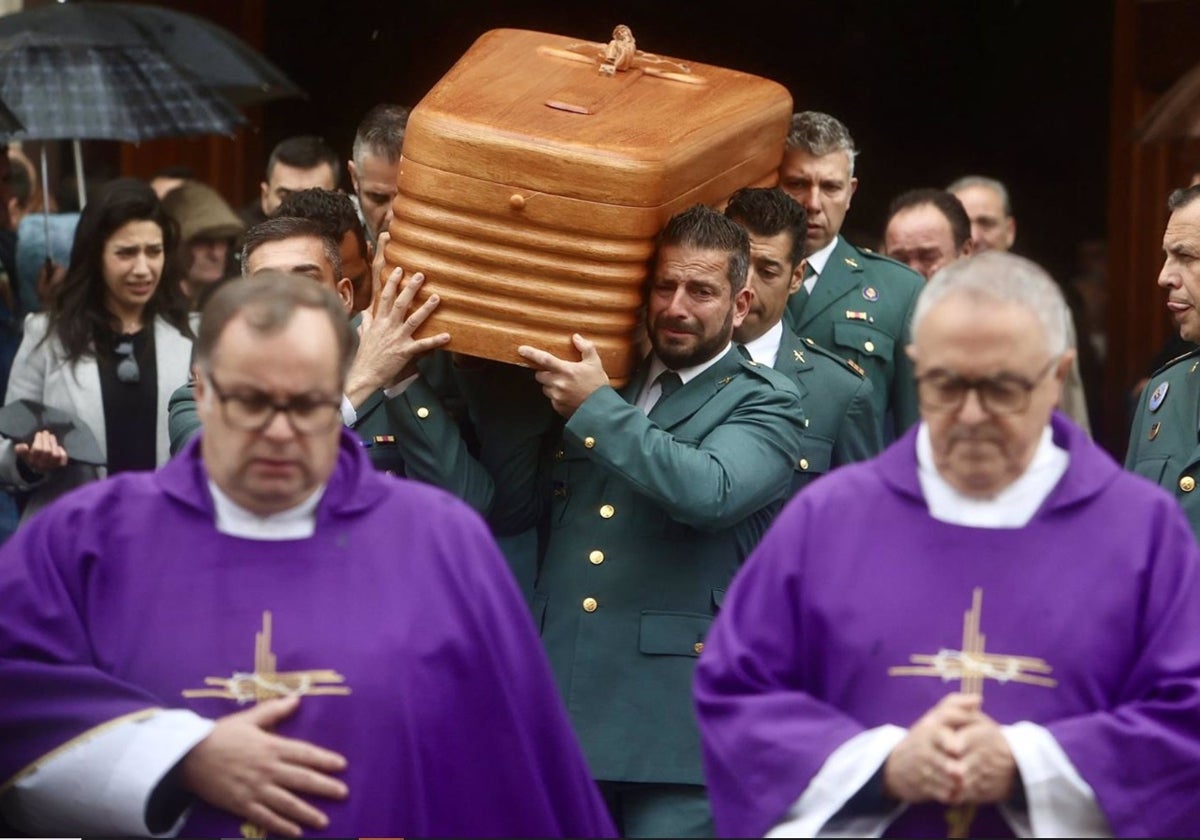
1013,507
765,348
817,261
651,389
295,523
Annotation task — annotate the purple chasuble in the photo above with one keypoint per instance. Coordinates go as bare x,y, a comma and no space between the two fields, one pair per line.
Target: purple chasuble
398,620
856,611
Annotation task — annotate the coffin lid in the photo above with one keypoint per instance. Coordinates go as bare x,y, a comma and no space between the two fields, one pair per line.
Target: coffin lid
639,137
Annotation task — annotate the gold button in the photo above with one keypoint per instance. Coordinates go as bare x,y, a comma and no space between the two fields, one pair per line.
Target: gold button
809,341
607,511
698,647
422,412
1187,484
596,557
803,463
517,201
589,605
589,442
869,346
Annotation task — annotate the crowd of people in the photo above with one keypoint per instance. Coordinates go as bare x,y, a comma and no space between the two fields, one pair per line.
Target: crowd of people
839,559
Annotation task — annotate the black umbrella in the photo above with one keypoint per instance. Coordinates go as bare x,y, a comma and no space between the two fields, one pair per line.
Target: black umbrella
21,419
62,88
206,52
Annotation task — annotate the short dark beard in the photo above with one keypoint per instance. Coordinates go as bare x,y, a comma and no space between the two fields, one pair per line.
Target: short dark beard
701,353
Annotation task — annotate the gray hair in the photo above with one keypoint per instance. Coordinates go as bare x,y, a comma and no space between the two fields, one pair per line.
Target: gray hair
381,132
1001,277
820,134
1182,198
988,183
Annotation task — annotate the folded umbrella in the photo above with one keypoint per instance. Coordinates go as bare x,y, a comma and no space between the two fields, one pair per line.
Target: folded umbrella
22,419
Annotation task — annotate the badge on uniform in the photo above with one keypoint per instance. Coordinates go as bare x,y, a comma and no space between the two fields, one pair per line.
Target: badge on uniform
798,356
856,316
870,294
1160,394
1154,430
857,367
850,262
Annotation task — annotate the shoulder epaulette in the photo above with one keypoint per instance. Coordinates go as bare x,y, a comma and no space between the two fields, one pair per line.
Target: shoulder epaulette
1189,354
766,373
849,364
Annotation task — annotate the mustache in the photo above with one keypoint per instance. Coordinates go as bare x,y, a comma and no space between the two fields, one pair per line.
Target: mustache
675,324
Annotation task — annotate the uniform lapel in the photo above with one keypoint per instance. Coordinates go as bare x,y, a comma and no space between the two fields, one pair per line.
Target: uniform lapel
838,278
688,399
792,360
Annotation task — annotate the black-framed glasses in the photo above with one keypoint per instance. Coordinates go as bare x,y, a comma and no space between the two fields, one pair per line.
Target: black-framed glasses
128,370
1006,393
253,411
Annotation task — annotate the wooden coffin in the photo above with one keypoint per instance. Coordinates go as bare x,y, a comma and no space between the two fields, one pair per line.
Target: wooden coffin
536,173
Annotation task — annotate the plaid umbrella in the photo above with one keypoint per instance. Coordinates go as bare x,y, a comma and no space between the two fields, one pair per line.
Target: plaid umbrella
60,88
206,52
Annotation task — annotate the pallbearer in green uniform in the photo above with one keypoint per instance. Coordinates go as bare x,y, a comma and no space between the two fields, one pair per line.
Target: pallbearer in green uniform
395,391
840,422
855,302
651,497
1164,442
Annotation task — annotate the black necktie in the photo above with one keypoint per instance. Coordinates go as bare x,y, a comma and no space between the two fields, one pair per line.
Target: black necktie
669,382
801,294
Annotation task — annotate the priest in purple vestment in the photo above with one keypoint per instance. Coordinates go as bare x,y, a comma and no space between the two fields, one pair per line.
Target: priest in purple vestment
988,630
268,636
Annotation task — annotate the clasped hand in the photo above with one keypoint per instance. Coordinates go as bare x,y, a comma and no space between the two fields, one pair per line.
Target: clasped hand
955,754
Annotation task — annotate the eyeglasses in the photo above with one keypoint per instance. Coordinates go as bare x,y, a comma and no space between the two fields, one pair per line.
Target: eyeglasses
1006,393
128,370
253,411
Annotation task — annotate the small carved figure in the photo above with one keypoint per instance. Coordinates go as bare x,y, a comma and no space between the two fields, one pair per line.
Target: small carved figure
620,52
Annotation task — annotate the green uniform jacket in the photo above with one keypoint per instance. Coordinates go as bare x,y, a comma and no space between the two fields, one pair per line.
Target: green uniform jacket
1164,445
647,519
840,422
412,435
861,309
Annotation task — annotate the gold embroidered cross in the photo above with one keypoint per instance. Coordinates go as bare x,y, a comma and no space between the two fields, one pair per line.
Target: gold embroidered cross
266,683
972,665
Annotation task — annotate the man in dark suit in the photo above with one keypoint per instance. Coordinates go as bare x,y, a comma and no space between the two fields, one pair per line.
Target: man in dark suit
650,497
840,422
853,301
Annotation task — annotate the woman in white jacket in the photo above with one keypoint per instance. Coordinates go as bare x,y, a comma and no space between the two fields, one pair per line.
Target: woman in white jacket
114,344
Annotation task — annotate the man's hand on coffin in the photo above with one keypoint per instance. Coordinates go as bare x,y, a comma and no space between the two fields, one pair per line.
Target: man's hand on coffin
43,454
567,384
926,765
243,768
986,764
387,352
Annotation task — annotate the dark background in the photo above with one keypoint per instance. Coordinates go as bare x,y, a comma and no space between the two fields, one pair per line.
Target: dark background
930,89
